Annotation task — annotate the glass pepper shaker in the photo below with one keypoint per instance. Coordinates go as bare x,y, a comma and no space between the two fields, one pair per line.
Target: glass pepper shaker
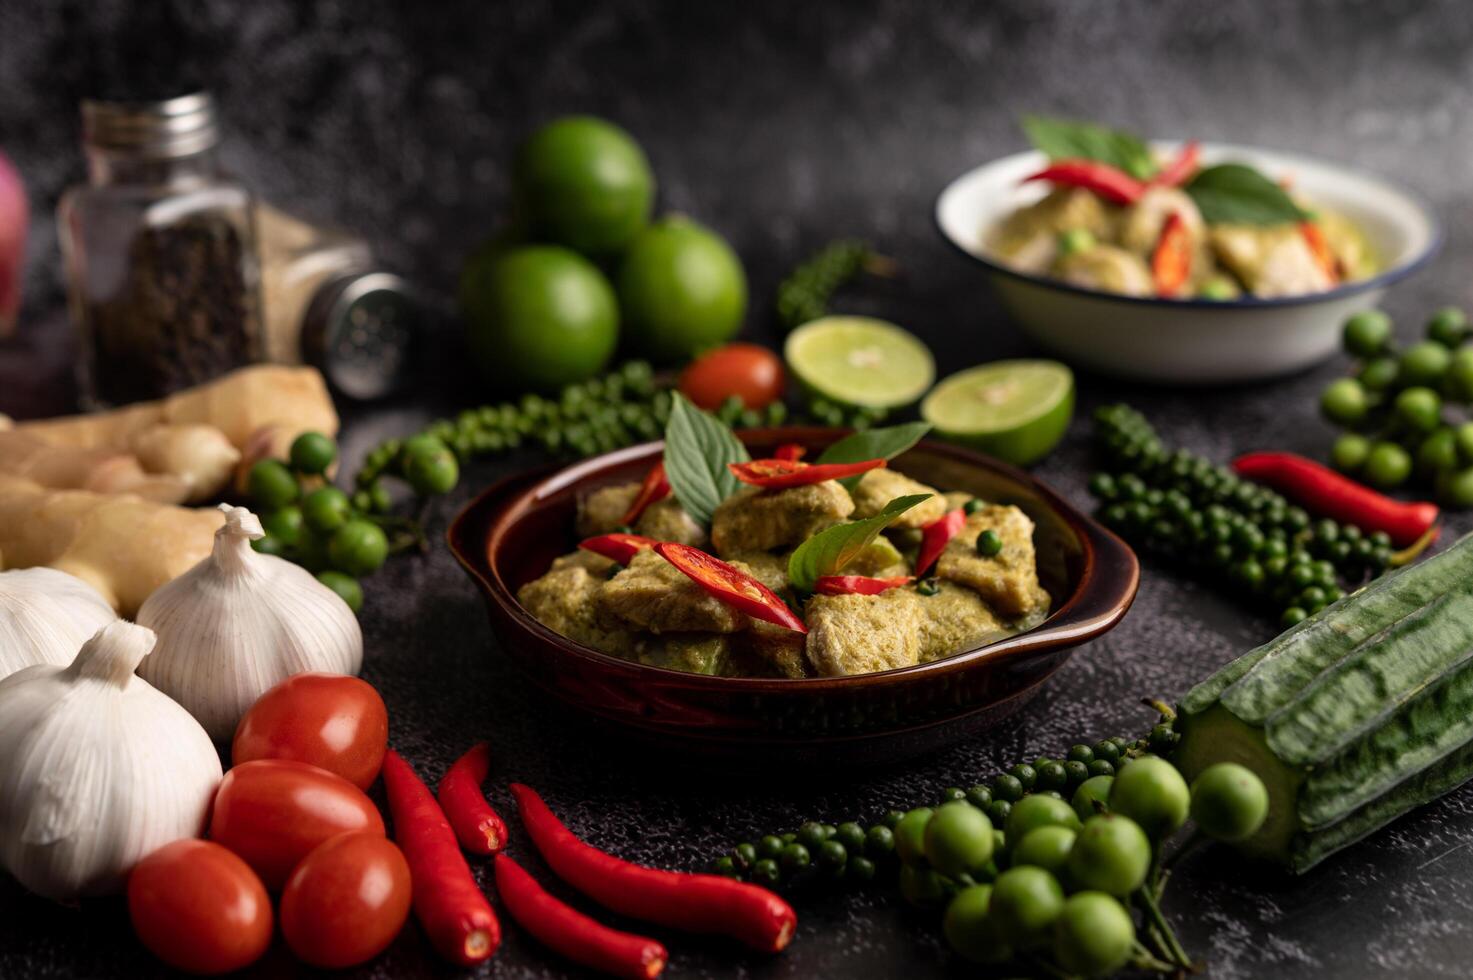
327,302
160,250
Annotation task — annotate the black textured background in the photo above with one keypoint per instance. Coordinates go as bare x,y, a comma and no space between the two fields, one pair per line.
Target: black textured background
783,125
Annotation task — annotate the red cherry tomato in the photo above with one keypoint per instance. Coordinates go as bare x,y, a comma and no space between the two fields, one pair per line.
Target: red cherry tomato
331,721
273,812
346,901
199,908
754,374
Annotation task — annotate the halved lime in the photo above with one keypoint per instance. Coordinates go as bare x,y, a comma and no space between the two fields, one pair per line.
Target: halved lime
860,361
1014,410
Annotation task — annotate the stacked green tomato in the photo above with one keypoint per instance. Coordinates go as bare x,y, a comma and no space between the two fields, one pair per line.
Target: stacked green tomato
318,526
1405,411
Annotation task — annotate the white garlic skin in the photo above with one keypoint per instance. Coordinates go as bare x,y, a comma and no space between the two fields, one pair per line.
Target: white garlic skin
238,623
98,769
45,617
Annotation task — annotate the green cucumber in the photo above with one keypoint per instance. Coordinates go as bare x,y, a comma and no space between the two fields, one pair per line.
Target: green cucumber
1351,718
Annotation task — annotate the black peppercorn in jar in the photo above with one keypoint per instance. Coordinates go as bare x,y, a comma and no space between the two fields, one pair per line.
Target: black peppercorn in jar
160,251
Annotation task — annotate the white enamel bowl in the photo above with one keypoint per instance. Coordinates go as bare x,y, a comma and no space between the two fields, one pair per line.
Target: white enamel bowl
1190,341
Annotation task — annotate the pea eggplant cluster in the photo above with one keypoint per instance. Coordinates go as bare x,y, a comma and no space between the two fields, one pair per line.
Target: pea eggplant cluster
1186,508
1405,410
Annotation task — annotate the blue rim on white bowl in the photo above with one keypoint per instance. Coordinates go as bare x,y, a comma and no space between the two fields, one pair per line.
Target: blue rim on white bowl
1157,336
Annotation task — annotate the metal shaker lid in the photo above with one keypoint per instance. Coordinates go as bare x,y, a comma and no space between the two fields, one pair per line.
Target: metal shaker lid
360,331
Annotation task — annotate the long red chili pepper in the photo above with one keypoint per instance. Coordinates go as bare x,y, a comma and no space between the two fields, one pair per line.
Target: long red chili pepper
619,546
1111,183
733,587
790,451
693,902
1171,262
567,931
779,474
934,537
1314,237
857,584
1320,489
1181,168
477,826
655,487
447,902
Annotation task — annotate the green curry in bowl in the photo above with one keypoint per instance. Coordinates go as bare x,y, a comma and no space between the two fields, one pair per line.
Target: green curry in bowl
801,570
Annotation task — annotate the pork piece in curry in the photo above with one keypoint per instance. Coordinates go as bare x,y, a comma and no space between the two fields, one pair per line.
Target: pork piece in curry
650,612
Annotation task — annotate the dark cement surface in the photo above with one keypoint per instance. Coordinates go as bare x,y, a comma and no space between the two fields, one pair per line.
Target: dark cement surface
784,125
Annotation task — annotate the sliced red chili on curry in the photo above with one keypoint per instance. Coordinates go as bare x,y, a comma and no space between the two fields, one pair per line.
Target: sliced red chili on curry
1171,263
1182,168
789,451
857,584
780,474
1314,237
1111,183
655,487
735,588
618,546
934,537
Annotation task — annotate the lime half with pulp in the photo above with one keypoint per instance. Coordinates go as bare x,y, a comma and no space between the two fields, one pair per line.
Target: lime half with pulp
1014,410
860,361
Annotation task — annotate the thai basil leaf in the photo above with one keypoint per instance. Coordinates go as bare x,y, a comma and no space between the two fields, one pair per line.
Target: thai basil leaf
1063,139
885,443
697,448
829,551
1235,193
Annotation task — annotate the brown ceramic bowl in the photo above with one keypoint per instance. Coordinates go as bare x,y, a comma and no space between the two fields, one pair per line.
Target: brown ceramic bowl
512,532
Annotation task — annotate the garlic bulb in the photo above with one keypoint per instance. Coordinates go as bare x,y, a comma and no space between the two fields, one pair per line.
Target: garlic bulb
239,622
45,617
97,768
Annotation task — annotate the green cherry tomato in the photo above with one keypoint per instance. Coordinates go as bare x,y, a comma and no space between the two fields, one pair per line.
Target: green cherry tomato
921,886
1460,375
271,485
1366,333
1349,452
1025,903
285,525
1007,787
431,471
879,841
1379,373
1111,854
969,929
910,834
1032,812
358,548
1419,408
1344,402
1463,437
1150,791
346,586
1424,363
1448,327
1456,488
1094,935
851,835
1092,790
1438,452
958,839
326,509
1388,465
312,453
1047,848
1229,802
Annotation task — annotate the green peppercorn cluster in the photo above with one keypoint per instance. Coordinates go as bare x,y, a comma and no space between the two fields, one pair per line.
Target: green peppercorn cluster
1406,410
1185,508
852,852
1045,864
804,295
311,522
